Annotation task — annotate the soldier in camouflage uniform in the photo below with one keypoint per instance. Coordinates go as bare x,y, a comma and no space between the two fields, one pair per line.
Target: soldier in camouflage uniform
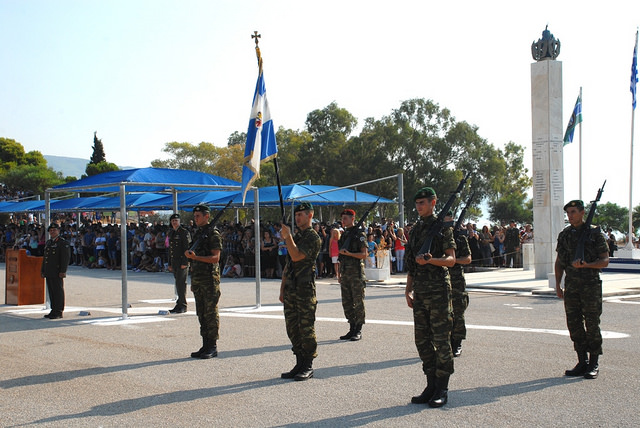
54,269
179,242
582,292
352,279
298,291
205,280
428,293
459,295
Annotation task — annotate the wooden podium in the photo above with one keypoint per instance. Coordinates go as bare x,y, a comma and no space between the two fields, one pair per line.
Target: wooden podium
23,283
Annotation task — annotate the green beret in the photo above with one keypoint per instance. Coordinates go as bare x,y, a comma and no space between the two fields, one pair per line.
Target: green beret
201,209
425,192
575,203
304,206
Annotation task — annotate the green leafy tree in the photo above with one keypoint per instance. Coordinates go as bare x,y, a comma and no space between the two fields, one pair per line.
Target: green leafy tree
33,178
205,157
11,154
100,167
610,215
509,196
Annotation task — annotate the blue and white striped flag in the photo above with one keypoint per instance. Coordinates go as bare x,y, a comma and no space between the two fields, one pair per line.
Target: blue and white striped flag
634,73
261,139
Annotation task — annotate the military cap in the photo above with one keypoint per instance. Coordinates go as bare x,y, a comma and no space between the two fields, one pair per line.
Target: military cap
425,192
176,215
348,212
53,226
575,203
304,206
201,209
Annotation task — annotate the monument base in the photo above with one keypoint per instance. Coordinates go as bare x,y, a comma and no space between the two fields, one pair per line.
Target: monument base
375,274
627,253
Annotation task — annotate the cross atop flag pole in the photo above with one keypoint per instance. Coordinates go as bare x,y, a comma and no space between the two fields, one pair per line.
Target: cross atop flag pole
261,139
574,120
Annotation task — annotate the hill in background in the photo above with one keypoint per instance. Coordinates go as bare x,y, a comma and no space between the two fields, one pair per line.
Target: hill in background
74,167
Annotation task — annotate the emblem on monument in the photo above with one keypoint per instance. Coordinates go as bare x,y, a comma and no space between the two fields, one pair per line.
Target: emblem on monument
545,48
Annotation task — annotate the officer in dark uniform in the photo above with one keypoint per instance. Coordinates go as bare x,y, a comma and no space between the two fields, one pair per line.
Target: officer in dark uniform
582,292
205,280
298,291
179,243
428,293
352,279
54,270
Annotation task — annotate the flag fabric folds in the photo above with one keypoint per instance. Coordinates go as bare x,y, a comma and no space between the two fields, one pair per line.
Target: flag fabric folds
634,73
576,118
261,139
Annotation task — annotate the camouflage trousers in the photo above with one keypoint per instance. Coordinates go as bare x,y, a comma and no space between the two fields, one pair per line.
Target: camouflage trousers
459,303
433,321
300,315
207,295
353,290
583,307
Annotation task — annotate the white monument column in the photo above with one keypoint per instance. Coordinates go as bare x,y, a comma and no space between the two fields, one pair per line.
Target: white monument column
547,136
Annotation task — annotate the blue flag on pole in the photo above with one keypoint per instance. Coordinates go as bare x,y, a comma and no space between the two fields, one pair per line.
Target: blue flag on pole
634,73
576,118
261,139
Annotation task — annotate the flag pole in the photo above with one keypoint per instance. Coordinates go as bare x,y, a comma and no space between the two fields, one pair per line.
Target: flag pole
634,78
580,152
255,37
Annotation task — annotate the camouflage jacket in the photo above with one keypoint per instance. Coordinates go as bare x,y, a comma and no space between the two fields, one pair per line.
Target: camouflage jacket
440,244
351,265
205,239
309,243
594,245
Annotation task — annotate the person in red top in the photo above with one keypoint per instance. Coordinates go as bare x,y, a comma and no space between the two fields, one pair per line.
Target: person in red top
334,251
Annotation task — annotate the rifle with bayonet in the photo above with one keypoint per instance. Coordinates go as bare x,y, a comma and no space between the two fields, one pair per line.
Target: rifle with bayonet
456,230
356,228
436,227
213,223
586,228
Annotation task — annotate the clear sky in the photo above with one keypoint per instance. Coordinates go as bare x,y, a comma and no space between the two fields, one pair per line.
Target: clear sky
144,73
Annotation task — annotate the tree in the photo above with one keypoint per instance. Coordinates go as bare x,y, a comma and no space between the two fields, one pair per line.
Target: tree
100,167
11,154
32,178
98,151
205,157
509,196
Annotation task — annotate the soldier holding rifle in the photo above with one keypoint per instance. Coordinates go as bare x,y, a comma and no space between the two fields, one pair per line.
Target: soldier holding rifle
428,293
581,252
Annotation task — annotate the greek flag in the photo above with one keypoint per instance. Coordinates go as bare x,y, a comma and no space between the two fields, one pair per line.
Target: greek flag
261,139
634,73
576,118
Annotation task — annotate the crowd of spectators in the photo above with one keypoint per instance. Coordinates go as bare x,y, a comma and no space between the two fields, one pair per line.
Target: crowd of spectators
97,245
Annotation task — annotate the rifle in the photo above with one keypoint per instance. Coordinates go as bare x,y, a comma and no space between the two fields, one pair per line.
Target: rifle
456,230
354,230
586,228
213,222
436,227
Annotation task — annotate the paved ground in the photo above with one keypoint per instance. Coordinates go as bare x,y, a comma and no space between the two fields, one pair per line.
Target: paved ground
103,370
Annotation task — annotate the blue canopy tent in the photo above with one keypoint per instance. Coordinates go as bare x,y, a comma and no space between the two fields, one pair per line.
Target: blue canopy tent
138,180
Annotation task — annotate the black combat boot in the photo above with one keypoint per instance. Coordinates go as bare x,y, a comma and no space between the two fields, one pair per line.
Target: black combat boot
205,343
427,394
306,372
456,347
592,369
295,370
439,398
349,335
581,368
210,351
357,332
